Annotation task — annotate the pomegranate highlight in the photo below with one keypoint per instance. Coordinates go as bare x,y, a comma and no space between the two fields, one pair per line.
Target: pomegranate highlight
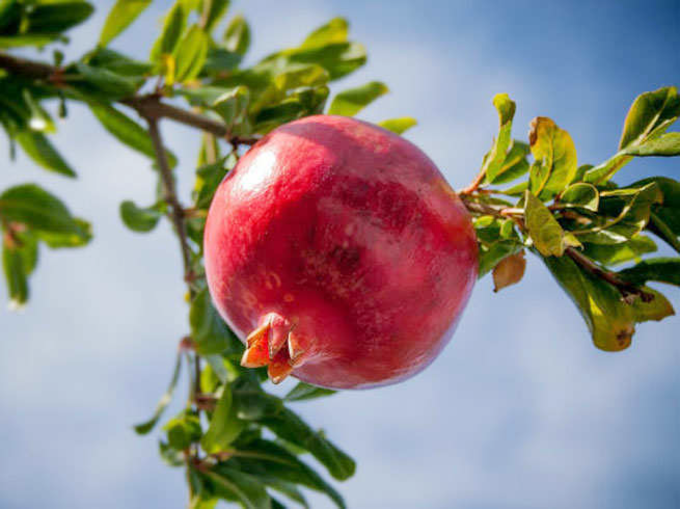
339,254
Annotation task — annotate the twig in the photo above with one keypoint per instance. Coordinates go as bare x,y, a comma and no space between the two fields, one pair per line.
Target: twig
176,209
627,290
474,184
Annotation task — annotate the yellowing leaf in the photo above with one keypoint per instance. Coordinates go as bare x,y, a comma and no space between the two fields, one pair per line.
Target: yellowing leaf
509,271
547,234
554,150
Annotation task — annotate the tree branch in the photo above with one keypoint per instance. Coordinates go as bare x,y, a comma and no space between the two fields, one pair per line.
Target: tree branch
148,106
627,290
176,209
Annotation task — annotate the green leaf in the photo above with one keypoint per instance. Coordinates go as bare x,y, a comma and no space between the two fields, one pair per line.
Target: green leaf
118,63
165,400
56,17
610,319
183,430
398,125
581,195
107,83
651,114
225,426
16,275
659,227
169,455
339,59
240,487
232,106
655,310
649,117
612,254
237,36
220,60
121,15
547,234
352,101
663,270
631,208
285,488
34,207
252,403
79,238
127,131
494,160
140,219
208,178
173,27
213,11
209,332
272,462
515,164
40,120
190,54
43,153
554,150
665,145
292,428
492,255
335,31
303,391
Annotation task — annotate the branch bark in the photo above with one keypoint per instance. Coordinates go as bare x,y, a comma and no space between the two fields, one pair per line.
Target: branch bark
169,190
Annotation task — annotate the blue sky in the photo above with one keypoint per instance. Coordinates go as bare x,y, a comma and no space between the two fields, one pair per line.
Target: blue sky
520,410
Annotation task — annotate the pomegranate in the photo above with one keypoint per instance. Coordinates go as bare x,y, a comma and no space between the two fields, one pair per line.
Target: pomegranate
337,251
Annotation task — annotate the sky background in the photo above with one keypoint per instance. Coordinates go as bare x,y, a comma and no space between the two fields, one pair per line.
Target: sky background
519,411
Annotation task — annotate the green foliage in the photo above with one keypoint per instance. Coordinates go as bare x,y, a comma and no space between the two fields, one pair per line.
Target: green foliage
573,217
121,15
580,222
398,125
352,101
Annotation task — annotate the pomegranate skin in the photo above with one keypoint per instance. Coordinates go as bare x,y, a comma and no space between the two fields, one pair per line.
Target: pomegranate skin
342,251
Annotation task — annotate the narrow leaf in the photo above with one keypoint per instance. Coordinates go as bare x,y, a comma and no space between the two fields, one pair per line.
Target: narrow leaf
506,112
121,15
127,131
352,101
663,270
165,400
334,31
225,426
43,153
237,36
303,391
190,54
398,125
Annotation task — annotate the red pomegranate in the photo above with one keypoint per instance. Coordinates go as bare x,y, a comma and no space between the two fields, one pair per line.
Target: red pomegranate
337,251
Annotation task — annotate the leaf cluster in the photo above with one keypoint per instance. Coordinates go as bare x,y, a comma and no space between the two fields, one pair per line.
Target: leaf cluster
579,221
